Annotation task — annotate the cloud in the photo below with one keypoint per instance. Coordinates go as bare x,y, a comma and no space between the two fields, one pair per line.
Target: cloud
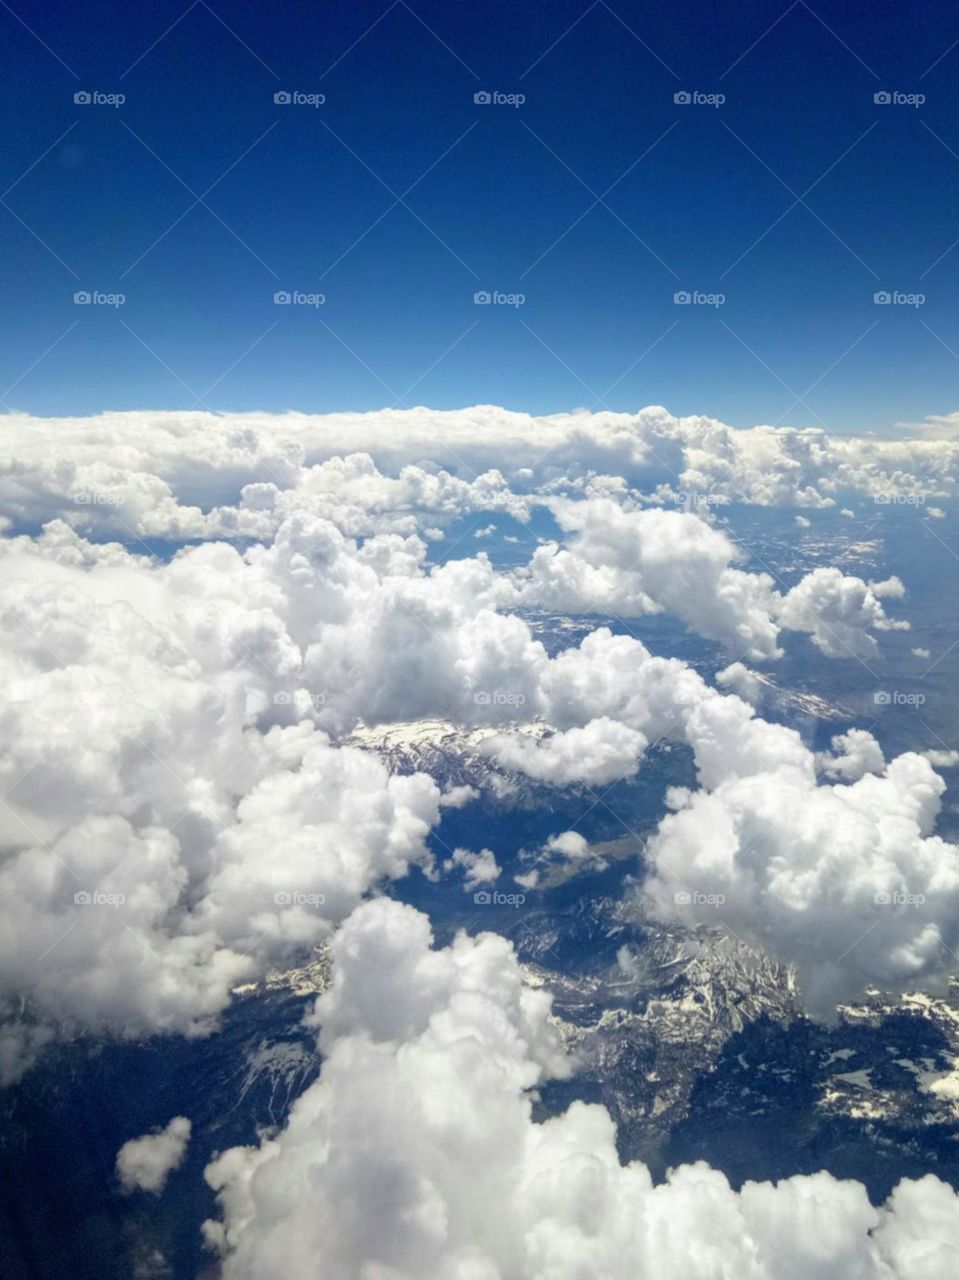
166,721
846,882
563,853
480,868
199,475
853,755
743,682
599,753
144,1164
145,774
636,562
840,612
415,1153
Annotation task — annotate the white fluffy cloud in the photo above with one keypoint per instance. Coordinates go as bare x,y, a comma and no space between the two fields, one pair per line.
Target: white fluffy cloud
478,868
145,1163
201,475
561,854
178,809
631,563
847,882
743,682
164,725
165,837
415,1153
853,754
840,611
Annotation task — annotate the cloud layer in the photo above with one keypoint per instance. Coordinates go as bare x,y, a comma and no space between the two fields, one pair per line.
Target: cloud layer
178,816
200,475
415,1153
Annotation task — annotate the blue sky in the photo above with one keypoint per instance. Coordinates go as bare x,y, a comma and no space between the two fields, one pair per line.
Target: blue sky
400,198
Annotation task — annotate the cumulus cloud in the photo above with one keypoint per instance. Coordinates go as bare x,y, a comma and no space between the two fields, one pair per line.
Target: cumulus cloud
561,854
853,755
635,562
165,722
847,882
182,475
743,682
840,612
144,1164
415,1153
598,753
479,868
942,759
146,772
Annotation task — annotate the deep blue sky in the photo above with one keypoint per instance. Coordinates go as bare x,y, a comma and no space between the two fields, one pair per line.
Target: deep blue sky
399,304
